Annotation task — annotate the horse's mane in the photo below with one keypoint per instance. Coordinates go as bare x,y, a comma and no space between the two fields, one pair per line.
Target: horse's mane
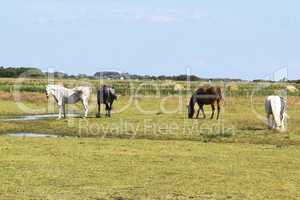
55,86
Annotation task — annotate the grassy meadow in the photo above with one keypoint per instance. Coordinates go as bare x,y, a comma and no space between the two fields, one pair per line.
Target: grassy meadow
69,168
148,150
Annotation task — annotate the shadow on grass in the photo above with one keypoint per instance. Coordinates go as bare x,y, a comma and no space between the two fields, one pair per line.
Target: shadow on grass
249,128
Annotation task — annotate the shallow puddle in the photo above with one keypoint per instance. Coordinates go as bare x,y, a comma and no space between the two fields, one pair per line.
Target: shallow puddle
32,135
34,117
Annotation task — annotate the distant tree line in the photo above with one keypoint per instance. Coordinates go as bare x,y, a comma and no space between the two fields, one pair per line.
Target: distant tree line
14,72
269,81
116,75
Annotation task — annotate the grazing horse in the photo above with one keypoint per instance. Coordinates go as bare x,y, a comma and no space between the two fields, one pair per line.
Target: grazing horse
65,96
106,95
276,108
207,95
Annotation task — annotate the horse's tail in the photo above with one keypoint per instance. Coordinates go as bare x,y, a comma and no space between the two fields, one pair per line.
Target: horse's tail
192,100
275,102
220,93
283,108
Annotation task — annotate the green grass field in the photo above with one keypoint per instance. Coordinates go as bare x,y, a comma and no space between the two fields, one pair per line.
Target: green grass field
143,169
144,152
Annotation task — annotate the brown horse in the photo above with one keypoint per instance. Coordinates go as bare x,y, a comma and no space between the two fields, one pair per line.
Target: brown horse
206,95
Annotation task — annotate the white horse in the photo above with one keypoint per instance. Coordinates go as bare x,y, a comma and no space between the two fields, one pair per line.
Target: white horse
276,108
64,96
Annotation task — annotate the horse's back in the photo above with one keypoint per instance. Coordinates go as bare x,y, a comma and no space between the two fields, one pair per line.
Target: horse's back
208,90
84,90
208,94
273,102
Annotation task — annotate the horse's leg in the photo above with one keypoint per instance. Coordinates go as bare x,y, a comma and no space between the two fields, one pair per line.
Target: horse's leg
283,122
86,107
108,113
198,111
110,108
64,110
99,109
59,111
269,121
202,110
219,109
273,121
213,108
106,109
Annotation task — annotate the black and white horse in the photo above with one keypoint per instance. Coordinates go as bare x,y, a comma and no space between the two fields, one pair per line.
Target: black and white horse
106,95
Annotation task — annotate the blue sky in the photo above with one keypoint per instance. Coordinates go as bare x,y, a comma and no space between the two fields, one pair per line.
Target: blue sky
236,39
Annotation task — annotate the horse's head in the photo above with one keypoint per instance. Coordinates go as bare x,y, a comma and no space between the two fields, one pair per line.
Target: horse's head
191,109
50,90
113,94
115,97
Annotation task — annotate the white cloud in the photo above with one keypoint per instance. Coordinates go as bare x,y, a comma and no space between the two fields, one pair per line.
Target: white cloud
141,15
155,18
164,16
